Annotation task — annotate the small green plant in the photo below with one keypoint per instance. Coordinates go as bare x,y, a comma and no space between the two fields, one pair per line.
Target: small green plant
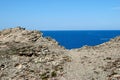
54,74
44,76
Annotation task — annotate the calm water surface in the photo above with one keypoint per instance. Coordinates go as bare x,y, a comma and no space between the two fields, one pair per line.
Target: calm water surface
77,39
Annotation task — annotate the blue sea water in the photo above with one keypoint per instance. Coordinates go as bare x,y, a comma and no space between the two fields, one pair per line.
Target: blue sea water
77,39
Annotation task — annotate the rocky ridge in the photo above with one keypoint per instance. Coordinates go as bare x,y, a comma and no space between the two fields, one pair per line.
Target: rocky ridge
26,55
101,62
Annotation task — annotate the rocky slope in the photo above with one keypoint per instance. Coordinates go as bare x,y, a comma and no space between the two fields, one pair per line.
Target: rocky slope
101,62
26,55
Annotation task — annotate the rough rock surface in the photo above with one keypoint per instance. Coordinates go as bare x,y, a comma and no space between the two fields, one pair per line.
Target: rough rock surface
26,55
101,62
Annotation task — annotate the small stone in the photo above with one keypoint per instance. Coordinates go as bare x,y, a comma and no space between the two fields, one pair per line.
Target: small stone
18,66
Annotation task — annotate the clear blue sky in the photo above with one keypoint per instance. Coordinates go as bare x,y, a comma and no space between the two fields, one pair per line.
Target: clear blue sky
60,14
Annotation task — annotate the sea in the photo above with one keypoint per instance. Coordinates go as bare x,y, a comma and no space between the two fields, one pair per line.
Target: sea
79,38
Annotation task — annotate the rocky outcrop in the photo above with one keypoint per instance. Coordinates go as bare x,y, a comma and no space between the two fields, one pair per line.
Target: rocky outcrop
101,62
26,55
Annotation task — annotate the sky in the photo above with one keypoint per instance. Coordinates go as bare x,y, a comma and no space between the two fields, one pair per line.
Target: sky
60,14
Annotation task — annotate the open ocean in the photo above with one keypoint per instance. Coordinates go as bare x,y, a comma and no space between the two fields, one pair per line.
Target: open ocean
77,39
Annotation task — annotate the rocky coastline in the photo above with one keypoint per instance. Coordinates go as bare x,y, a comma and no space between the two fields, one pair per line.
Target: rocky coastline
27,55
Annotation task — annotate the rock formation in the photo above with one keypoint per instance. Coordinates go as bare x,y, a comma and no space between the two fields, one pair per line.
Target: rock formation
101,62
26,55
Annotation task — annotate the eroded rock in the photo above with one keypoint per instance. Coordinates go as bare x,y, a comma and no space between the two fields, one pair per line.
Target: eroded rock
26,55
